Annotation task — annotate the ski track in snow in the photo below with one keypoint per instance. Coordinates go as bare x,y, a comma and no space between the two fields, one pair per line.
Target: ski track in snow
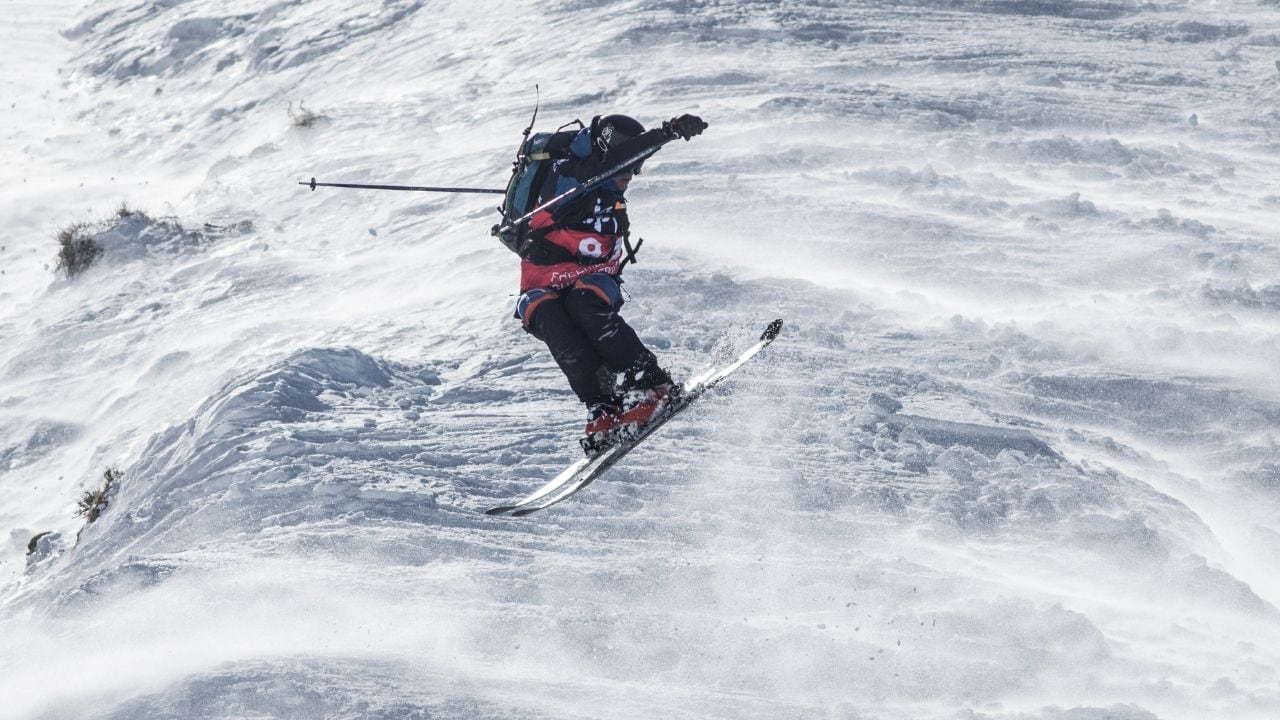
1015,455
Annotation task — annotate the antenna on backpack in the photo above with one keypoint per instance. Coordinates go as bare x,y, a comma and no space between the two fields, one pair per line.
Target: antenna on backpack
537,102
522,155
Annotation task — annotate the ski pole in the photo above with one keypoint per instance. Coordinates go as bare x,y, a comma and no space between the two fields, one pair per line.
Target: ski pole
587,186
313,185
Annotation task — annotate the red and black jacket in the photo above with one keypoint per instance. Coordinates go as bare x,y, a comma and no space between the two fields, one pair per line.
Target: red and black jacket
584,234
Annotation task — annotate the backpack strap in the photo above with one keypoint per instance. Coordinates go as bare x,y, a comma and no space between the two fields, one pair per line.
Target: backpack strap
558,146
630,251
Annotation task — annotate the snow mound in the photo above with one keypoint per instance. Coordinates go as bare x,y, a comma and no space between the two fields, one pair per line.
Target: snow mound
296,443
330,687
1266,298
132,235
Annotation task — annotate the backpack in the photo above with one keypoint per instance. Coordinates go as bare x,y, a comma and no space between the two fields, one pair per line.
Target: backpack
528,174
533,162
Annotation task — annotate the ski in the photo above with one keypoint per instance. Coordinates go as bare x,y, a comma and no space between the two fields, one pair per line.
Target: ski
583,472
565,477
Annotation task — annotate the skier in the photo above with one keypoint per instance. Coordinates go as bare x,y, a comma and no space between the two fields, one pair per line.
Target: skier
570,291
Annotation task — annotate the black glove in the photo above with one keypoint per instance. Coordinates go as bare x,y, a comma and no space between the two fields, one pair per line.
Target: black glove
685,126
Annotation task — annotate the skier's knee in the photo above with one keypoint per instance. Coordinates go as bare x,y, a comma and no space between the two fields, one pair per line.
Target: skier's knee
600,288
529,303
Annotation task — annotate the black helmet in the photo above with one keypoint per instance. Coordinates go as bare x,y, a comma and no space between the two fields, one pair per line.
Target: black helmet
610,130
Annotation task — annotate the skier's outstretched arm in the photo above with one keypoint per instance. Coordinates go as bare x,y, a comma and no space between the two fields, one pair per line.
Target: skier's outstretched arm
685,126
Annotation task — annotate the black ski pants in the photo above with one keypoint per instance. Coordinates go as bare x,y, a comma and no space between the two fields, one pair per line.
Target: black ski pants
589,340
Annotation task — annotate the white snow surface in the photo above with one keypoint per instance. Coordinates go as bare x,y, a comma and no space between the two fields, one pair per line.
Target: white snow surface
1016,455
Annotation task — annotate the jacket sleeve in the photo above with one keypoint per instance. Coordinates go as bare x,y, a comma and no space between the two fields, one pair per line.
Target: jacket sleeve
638,144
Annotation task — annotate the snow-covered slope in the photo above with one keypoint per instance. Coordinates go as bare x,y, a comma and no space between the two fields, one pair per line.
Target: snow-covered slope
1016,454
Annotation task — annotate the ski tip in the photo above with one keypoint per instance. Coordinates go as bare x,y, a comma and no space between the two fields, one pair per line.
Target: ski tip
500,510
772,331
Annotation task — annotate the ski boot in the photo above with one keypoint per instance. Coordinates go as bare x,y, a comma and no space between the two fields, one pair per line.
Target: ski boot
603,427
641,407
